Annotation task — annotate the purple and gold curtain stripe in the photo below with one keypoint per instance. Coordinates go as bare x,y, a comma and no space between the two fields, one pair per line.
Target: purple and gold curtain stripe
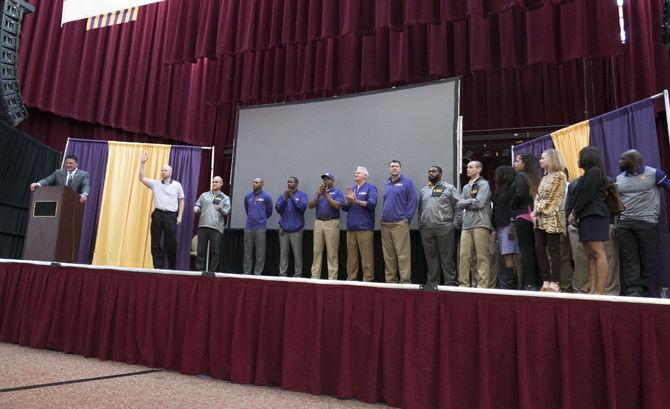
104,228
110,19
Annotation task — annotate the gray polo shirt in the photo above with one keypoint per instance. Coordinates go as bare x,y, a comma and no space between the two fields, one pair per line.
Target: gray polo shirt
166,195
641,195
209,216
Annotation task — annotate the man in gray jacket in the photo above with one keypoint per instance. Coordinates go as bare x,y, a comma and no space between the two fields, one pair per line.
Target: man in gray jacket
70,176
213,207
438,220
475,202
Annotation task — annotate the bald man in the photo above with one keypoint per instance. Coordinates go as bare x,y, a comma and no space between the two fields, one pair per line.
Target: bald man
213,207
637,229
168,210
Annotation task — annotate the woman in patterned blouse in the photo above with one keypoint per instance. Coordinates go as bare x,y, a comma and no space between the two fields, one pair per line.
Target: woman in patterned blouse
549,219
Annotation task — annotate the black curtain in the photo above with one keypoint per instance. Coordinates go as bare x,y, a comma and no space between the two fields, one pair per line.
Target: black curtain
23,160
233,250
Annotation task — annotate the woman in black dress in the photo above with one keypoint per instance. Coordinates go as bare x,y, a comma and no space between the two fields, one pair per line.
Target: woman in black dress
524,190
590,214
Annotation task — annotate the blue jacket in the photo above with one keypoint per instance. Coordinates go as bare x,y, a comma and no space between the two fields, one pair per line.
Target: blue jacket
362,218
399,200
292,211
259,209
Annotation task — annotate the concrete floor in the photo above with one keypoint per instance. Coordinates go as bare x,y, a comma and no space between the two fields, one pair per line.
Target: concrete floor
31,371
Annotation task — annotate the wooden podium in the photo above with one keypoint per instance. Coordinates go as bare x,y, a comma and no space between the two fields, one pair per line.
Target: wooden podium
54,225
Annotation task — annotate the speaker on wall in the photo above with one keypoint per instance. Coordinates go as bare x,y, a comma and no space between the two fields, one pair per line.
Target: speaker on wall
12,110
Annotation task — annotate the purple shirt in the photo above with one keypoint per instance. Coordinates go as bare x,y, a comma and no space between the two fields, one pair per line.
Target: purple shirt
399,200
259,209
358,217
323,208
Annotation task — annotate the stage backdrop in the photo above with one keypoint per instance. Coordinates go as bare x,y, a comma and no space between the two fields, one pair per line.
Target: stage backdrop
416,125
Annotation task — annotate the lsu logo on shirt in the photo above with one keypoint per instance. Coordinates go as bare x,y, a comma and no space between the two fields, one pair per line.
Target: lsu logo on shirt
438,190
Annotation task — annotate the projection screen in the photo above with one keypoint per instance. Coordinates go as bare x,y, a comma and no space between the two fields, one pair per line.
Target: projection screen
415,125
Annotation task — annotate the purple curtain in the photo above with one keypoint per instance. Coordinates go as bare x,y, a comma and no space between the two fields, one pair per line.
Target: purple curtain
634,127
536,146
630,127
185,162
93,159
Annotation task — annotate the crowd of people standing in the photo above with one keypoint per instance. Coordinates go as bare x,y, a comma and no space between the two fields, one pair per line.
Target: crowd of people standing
533,231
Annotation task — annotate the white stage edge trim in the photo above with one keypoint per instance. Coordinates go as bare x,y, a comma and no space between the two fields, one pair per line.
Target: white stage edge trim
480,291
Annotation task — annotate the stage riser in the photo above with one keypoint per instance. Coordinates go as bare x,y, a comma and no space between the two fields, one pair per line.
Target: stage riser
408,348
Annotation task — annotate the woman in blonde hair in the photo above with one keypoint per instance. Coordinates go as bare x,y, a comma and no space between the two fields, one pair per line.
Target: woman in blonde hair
549,219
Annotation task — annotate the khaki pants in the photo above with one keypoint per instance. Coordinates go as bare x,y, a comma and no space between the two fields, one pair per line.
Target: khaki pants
580,281
397,251
326,232
567,272
360,242
477,239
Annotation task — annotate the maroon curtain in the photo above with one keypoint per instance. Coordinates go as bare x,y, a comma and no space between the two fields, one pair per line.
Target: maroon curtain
523,63
478,34
647,65
412,349
113,76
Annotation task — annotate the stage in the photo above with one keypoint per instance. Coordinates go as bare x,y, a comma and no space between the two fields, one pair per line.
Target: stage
456,348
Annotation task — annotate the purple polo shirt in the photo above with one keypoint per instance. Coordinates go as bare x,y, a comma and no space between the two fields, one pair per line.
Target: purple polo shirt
324,210
362,218
259,210
399,200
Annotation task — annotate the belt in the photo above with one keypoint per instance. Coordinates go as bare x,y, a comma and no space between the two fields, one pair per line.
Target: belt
325,219
165,211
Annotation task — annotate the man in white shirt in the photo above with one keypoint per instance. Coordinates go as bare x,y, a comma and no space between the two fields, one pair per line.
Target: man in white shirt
168,210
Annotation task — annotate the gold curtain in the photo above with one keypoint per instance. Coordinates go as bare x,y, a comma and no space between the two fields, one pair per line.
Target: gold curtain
569,141
123,237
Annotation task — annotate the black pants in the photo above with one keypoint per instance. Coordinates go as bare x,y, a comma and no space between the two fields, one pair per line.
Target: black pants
439,248
637,249
550,267
207,235
164,224
526,237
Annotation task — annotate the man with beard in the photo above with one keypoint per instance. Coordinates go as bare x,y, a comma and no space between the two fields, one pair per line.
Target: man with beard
438,220
291,206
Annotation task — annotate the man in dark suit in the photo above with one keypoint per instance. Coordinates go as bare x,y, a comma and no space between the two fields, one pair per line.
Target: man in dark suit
73,177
